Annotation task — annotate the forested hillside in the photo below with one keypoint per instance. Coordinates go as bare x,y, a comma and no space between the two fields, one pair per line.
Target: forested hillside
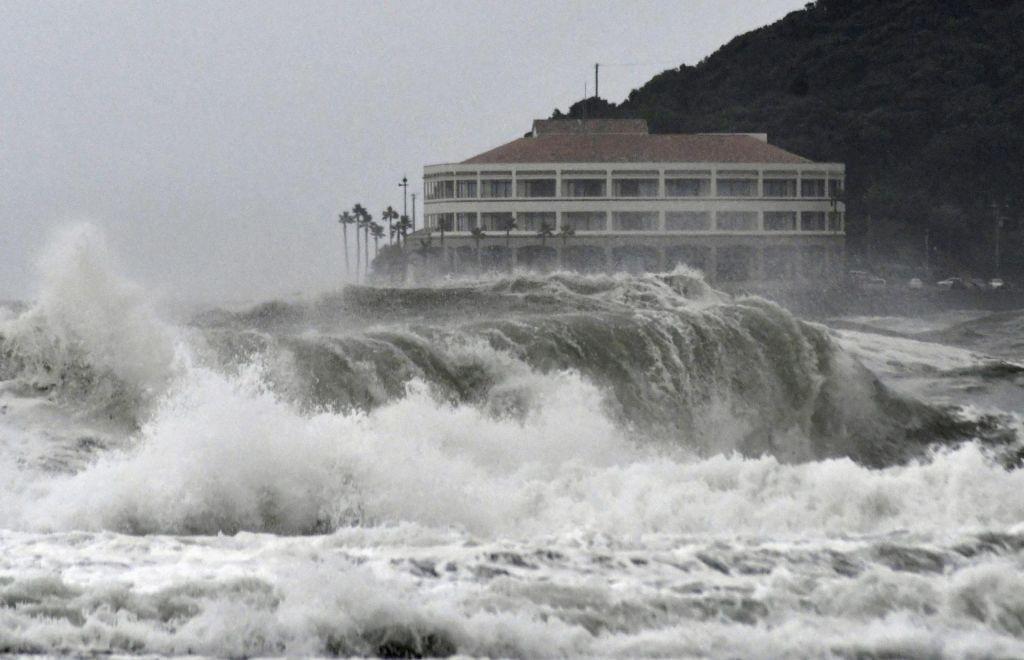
922,99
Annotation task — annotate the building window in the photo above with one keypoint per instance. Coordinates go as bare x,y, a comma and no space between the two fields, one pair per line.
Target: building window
780,263
465,189
440,189
534,221
696,187
734,263
835,188
635,220
687,221
737,187
635,187
737,220
812,187
495,221
437,221
835,221
780,187
583,187
536,188
585,220
496,188
465,221
812,221
780,220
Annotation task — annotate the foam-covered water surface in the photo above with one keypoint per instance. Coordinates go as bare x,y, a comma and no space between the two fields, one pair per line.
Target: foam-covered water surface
532,465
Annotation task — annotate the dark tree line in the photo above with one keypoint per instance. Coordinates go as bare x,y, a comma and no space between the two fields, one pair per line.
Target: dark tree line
922,99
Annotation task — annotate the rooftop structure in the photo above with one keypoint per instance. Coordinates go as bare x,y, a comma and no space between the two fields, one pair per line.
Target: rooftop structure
606,194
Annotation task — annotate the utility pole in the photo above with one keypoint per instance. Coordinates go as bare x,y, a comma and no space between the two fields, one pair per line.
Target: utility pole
413,211
404,185
596,93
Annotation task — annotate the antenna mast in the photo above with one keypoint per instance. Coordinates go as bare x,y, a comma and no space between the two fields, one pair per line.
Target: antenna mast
596,67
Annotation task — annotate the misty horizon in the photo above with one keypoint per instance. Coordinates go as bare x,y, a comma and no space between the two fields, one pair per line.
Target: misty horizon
215,146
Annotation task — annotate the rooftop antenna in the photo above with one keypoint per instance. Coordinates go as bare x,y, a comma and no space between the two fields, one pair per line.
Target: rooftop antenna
596,67
584,101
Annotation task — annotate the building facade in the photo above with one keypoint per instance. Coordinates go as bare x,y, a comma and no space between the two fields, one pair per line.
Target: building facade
607,195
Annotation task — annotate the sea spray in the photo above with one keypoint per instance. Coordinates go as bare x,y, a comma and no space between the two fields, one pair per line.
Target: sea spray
528,466
91,337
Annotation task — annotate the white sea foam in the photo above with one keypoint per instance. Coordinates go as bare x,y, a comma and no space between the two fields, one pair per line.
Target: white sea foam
529,522
224,453
88,315
406,589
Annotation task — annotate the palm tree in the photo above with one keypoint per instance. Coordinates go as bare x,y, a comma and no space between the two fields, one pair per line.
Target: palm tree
510,226
361,229
367,221
395,231
478,235
545,232
358,211
424,248
404,225
565,234
377,232
389,214
346,219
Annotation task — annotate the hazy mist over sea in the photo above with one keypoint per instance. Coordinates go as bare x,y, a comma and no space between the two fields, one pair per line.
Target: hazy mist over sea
526,466
212,444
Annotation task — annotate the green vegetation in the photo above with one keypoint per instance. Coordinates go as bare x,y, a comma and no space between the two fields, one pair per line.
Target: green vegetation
922,99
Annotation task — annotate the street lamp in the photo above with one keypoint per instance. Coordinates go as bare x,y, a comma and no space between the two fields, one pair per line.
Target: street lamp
404,185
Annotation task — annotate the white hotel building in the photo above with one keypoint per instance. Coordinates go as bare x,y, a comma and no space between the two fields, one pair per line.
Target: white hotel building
731,205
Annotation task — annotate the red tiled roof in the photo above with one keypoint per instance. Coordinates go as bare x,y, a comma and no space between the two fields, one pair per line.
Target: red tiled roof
636,147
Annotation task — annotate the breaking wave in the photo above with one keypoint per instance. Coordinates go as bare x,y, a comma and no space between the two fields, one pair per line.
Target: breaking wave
523,405
530,466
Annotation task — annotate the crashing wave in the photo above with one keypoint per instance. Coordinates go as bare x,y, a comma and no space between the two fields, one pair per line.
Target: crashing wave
91,338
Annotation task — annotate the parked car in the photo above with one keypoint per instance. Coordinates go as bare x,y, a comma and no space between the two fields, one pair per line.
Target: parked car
915,283
951,283
996,283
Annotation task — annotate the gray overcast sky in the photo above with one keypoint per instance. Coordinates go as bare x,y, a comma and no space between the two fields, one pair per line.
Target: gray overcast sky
215,142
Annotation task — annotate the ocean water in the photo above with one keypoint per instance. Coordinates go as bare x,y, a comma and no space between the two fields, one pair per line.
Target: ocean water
525,466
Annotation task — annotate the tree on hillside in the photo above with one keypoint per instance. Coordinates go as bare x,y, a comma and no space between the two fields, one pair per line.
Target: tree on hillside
922,101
